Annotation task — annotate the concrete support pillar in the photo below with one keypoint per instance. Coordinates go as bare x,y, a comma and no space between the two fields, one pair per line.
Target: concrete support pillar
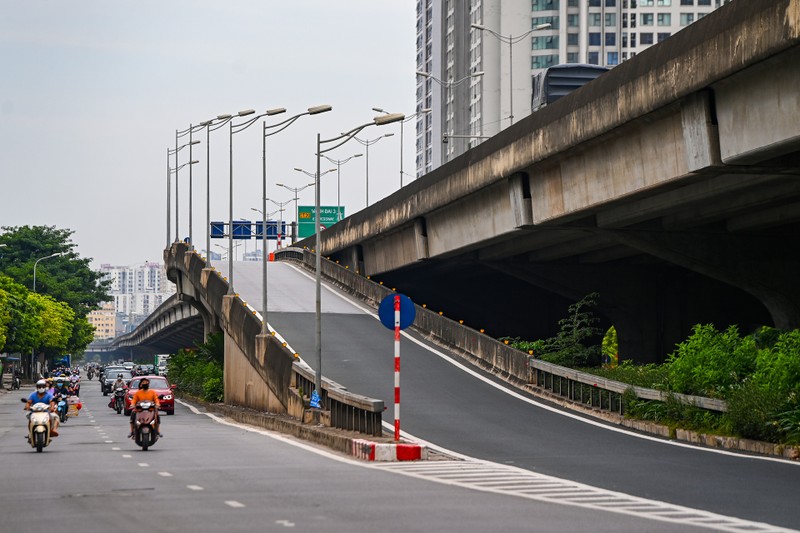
421,238
519,191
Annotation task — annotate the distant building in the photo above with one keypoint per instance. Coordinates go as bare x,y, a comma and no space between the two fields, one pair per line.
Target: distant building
104,321
137,291
466,108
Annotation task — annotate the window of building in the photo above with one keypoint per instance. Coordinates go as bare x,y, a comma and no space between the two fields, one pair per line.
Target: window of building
687,18
594,39
572,57
645,38
544,5
663,2
573,21
624,39
545,43
664,19
703,2
573,3
687,2
646,19
594,19
646,3
663,36
544,61
572,39
594,3
612,58
593,58
611,3
537,21
611,20
611,39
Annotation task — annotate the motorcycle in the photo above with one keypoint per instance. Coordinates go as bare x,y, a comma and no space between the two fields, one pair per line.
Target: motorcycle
90,374
16,382
145,433
61,407
119,399
39,426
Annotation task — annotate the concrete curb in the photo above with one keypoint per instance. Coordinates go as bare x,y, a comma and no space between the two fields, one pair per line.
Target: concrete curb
346,442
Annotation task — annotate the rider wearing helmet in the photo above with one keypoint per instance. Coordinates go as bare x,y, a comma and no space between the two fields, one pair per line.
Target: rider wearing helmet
118,384
144,394
42,395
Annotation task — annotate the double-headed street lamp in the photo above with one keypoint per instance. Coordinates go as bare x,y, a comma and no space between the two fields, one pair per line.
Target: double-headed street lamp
170,170
281,209
336,142
313,176
339,163
448,85
237,128
296,191
57,254
402,122
511,40
368,143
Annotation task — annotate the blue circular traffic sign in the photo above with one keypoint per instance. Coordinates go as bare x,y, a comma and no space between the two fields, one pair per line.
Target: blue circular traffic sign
407,311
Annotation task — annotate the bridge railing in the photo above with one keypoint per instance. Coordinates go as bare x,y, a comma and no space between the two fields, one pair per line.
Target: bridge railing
348,411
497,357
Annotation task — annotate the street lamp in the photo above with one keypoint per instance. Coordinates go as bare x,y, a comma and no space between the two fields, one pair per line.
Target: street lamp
511,40
295,191
169,174
236,128
448,85
420,112
57,254
210,125
313,177
175,171
280,220
339,163
337,142
368,143
191,143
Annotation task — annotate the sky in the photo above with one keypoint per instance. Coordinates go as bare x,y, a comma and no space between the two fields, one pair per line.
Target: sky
92,93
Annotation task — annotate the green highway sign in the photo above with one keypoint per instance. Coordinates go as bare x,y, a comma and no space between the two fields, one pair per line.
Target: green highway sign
328,216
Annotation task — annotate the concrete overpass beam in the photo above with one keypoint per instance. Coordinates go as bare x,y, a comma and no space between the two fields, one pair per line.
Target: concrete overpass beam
519,190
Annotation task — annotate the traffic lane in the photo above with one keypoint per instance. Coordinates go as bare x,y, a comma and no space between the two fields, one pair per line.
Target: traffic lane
451,408
213,477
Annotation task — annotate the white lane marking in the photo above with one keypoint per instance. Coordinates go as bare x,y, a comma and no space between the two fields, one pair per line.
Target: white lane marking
234,504
126,456
194,487
526,484
525,399
165,474
116,448
284,523
143,464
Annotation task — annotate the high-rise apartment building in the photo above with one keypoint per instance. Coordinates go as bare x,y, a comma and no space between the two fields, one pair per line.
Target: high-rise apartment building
137,291
475,58
104,321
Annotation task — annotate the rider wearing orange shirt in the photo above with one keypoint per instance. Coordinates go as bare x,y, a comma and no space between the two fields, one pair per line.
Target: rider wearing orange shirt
144,394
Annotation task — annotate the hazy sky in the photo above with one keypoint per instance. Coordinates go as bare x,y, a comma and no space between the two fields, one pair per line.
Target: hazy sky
92,91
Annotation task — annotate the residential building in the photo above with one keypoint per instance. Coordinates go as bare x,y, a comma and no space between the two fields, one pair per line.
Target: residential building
477,82
104,321
137,291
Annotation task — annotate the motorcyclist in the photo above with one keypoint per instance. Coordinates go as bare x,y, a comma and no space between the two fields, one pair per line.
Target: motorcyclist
144,394
43,396
119,383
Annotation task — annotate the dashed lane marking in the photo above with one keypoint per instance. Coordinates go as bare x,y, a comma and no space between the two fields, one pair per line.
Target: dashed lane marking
194,487
144,464
234,504
165,474
126,456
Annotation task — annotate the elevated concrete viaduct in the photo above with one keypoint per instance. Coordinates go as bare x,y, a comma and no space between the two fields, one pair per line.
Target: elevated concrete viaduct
670,185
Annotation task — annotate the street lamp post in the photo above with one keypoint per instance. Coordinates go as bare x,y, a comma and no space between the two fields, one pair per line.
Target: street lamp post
402,122
280,220
237,128
448,85
35,264
337,142
295,191
368,143
179,134
339,163
511,40
169,185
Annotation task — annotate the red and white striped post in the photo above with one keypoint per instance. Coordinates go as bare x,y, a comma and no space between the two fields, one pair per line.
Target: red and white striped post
396,367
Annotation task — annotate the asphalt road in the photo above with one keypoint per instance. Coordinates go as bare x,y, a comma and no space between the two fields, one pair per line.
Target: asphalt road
207,476
467,412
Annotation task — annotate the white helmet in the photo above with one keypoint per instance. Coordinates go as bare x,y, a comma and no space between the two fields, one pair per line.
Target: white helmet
41,385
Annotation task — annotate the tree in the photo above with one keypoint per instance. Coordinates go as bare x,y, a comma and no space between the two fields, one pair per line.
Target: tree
67,278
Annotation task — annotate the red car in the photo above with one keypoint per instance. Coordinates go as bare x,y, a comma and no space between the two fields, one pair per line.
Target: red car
160,385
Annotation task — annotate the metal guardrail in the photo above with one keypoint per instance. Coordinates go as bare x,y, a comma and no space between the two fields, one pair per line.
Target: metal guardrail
572,385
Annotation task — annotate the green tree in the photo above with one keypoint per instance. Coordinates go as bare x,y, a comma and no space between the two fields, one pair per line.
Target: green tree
67,278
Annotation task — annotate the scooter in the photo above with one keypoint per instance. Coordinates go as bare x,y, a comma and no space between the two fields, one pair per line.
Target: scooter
90,374
61,407
119,399
145,433
39,426
15,382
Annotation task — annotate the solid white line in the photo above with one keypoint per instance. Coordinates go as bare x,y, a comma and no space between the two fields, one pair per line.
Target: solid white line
535,403
234,504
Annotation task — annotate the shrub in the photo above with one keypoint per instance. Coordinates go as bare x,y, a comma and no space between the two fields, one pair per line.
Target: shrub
570,346
200,372
752,411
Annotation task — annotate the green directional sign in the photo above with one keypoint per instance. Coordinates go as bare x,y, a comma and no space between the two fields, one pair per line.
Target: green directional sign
328,216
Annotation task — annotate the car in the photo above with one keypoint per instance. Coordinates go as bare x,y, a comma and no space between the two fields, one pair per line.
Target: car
159,384
110,376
